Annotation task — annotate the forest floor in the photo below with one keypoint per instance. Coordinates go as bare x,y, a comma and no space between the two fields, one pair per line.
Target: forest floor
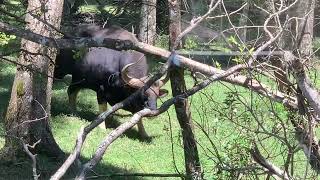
162,153
220,114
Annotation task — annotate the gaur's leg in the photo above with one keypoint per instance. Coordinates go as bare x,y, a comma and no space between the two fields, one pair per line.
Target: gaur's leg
73,91
141,130
103,106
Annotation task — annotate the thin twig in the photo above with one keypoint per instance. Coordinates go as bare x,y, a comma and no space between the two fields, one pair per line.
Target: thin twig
195,22
135,175
32,157
32,120
19,19
257,156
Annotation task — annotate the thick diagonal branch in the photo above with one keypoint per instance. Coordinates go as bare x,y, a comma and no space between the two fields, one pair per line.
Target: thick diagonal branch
164,107
257,156
109,139
149,49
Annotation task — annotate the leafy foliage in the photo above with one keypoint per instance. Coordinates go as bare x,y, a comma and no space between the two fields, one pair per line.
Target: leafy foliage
162,41
191,42
5,39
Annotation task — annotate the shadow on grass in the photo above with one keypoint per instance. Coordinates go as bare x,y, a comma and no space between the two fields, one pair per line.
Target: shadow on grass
6,81
62,108
60,84
132,133
46,166
4,99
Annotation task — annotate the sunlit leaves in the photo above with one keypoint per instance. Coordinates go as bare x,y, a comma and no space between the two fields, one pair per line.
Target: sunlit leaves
5,39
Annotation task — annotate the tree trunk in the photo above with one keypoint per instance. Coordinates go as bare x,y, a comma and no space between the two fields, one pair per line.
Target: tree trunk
28,112
280,74
305,26
147,32
305,131
298,39
192,163
299,33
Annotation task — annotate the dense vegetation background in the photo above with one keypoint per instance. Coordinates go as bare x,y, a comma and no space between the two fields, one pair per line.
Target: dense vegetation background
228,119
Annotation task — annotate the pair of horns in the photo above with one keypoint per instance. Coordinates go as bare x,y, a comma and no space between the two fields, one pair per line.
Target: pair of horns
139,82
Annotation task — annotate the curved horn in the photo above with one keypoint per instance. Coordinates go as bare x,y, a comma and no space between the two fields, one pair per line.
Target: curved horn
131,81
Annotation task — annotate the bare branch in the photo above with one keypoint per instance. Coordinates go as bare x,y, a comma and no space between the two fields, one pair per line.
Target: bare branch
195,22
146,48
164,107
32,157
109,139
231,13
309,91
19,19
135,175
65,43
72,157
32,120
257,156
50,25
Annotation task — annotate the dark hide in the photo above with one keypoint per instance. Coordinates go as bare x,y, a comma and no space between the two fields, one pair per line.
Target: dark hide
100,70
110,32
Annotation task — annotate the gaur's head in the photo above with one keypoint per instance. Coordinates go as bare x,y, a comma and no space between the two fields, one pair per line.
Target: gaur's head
153,93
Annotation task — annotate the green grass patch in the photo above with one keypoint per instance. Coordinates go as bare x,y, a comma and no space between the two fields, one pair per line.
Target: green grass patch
219,110
221,115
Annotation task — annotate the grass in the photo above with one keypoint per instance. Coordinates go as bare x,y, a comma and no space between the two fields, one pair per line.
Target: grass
218,110
129,154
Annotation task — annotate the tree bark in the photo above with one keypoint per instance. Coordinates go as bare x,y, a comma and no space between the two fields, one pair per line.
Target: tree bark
147,32
280,74
28,112
298,39
192,163
305,134
304,10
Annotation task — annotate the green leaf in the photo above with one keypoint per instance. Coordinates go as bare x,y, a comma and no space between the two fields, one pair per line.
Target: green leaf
5,39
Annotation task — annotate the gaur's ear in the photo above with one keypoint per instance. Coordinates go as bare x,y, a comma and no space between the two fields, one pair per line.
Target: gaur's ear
163,93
